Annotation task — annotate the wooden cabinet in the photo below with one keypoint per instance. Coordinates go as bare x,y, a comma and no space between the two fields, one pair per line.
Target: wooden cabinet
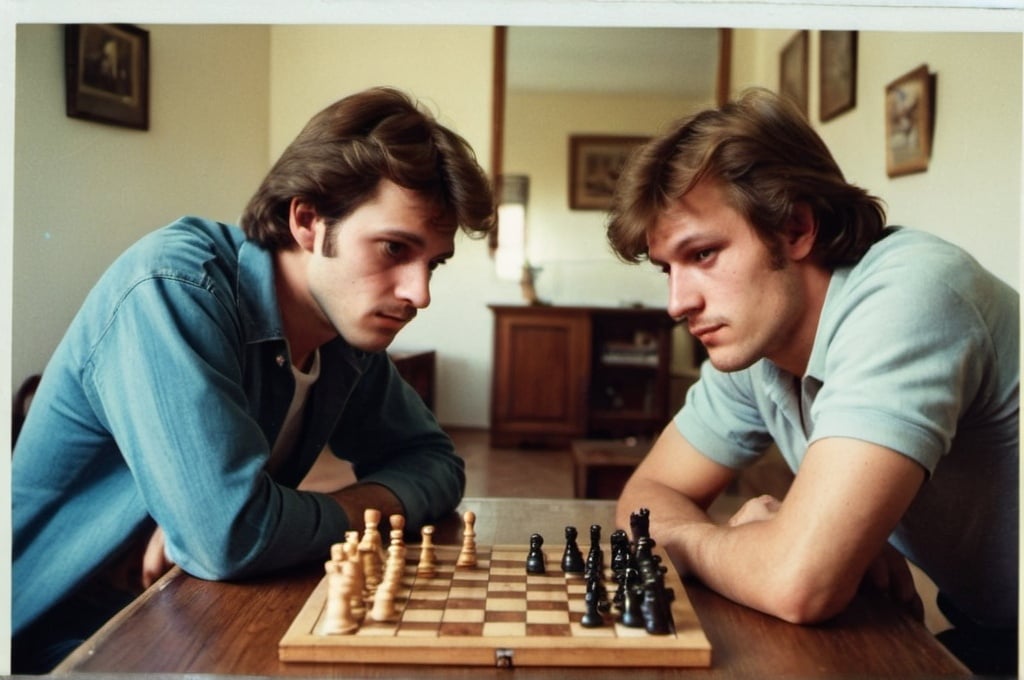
562,373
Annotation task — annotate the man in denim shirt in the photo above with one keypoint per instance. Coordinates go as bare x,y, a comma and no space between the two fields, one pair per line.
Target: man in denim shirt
210,366
883,363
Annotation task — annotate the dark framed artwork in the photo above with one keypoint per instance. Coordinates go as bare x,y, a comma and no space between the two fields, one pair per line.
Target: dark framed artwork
793,78
837,73
107,73
595,163
909,121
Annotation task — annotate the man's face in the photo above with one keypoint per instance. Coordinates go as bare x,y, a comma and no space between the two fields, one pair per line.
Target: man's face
378,273
723,283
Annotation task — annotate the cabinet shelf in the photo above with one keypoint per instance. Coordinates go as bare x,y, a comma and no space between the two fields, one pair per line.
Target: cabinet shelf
563,373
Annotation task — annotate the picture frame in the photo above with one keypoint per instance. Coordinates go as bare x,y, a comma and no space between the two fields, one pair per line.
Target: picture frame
107,74
909,122
837,73
793,78
595,163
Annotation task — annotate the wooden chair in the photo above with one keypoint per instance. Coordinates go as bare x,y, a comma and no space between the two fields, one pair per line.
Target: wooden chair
22,400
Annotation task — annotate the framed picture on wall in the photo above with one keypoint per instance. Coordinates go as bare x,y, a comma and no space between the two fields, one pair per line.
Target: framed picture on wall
793,79
909,118
106,73
837,73
595,163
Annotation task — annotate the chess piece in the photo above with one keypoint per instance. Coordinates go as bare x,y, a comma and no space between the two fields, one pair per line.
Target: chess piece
398,534
591,616
632,596
535,558
572,558
640,524
654,610
371,532
352,556
595,558
427,567
620,550
467,557
384,597
338,618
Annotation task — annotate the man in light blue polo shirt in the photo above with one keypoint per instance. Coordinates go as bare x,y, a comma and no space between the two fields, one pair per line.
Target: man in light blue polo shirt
883,363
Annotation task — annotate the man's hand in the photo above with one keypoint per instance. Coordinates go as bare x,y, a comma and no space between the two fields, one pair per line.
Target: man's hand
890,574
155,562
758,509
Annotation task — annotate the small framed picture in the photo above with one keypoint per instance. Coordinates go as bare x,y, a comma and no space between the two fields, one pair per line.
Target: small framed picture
837,73
909,118
793,79
107,73
595,163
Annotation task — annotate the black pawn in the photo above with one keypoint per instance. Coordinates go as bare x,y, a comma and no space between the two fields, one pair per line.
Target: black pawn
620,550
592,618
535,558
654,611
631,615
572,558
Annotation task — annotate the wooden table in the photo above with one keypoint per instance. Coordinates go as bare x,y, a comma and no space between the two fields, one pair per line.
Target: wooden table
186,625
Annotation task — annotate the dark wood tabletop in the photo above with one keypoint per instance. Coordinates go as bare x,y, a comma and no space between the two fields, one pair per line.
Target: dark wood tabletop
187,625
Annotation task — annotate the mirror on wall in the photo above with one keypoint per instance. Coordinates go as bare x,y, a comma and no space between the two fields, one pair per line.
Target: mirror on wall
554,85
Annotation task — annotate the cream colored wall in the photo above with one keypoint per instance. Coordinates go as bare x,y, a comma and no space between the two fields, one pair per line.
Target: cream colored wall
971,193
569,246
84,191
449,69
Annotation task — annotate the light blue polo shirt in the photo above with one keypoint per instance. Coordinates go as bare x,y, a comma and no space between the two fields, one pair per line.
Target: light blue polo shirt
917,350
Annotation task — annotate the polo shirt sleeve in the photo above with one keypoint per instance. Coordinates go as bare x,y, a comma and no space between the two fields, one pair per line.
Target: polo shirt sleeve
906,358
721,419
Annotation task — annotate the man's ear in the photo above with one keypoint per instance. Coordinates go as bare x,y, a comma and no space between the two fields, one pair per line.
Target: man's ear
801,232
302,218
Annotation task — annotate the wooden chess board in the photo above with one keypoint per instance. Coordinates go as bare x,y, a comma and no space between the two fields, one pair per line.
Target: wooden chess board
496,614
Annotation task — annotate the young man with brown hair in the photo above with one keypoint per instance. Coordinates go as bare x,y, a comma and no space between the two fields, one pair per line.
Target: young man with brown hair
883,363
210,366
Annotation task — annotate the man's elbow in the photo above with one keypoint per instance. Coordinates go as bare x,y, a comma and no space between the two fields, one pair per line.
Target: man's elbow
807,601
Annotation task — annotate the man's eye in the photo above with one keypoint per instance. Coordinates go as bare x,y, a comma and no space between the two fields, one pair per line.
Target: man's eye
437,263
702,255
394,248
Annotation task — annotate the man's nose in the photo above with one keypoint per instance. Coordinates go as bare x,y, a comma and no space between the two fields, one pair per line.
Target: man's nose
414,286
683,298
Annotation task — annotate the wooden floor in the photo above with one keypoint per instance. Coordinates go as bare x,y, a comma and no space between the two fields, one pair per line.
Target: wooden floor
547,473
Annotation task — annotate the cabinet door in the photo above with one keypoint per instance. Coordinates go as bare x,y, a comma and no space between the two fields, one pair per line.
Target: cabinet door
540,376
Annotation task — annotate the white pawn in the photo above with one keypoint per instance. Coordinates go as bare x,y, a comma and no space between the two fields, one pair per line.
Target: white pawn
357,603
427,567
467,557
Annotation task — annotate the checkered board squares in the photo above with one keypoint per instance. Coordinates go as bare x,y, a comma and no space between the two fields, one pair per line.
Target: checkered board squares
495,614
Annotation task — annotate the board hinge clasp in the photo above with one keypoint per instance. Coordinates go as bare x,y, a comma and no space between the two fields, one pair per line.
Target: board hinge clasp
504,658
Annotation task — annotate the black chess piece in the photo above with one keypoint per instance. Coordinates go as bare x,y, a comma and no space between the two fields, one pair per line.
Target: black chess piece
592,618
640,524
632,600
535,558
654,610
620,550
595,558
572,557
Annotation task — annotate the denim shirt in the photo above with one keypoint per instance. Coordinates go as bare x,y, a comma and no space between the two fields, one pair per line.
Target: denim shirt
162,403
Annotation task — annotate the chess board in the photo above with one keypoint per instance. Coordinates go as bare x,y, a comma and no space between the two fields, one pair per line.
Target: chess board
496,614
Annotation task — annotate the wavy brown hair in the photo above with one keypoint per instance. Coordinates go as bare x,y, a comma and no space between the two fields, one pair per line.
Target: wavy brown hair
339,158
767,158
